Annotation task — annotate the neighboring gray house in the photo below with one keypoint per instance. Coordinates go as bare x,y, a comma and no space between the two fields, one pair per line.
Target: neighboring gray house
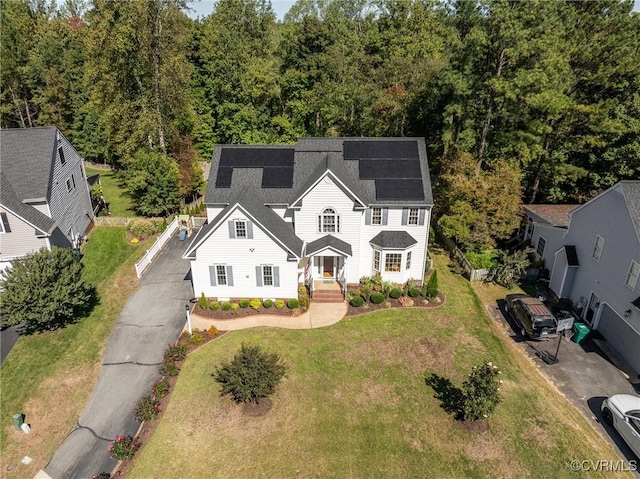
545,227
598,266
44,195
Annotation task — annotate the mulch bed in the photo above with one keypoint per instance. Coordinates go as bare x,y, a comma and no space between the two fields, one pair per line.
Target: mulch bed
244,312
147,428
395,303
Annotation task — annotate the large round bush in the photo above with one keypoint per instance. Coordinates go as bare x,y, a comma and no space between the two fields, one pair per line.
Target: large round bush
395,293
377,298
414,292
357,301
293,303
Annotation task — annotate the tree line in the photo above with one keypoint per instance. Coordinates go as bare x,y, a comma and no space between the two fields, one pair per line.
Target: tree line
543,93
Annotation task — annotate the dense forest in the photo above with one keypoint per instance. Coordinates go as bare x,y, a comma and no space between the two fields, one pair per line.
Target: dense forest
543,93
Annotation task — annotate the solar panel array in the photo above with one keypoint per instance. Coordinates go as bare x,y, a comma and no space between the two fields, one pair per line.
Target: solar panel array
394,165
276,165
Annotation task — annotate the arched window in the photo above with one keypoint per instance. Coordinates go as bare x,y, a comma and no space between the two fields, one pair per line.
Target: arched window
329,221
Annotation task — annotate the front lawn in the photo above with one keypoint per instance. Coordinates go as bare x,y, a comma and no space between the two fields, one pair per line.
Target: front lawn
49,377
355,404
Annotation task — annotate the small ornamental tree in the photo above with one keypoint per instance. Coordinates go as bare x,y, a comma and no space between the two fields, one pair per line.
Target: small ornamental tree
480,392
511,267
432,285
45,290
251,375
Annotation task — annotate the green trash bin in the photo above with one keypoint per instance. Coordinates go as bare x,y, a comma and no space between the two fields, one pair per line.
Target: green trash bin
581,332
17,421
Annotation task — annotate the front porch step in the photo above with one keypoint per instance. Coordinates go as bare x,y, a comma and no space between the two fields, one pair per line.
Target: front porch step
327,296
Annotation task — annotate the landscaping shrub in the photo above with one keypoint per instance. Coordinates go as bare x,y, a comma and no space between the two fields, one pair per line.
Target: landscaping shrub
244,303
202,301
485,259
279,304
395,293
302,291
357,301
406,301
212,331
176,353
366,291
414,292
147,409
432,285
377,298
267,303
160,388
196,338
169,368
303,301
225,306
251,375
293,303
123,448
255,304
481,392
213,305
235,306
141,227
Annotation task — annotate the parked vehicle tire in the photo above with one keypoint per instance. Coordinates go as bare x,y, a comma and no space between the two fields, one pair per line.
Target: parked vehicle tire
607,416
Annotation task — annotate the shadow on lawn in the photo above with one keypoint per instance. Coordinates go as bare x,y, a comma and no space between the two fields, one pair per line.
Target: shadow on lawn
450,396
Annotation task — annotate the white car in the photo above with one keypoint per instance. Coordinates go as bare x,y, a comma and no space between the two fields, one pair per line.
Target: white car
622,411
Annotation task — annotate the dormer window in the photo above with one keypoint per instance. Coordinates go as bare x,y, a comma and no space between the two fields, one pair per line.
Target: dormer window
329,221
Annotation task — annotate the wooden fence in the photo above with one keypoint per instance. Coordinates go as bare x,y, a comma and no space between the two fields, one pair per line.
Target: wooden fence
471,273
157,246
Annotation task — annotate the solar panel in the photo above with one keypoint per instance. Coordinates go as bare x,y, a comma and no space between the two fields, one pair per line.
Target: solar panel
223,180
256,157
367,149
399,189
277,177
390,168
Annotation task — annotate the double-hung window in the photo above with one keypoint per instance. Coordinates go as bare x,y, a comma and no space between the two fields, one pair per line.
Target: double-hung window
541,244
221,275
71,184
413,216
597,247
376,216
329,221
267,275
392,261
241,229
376,260
632,275
408,264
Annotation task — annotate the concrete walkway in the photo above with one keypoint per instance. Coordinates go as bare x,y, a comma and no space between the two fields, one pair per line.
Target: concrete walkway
317,316
152,318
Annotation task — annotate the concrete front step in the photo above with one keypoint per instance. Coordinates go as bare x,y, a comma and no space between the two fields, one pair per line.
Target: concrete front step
328,297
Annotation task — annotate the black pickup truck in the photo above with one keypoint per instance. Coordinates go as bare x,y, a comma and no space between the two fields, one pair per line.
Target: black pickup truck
535,320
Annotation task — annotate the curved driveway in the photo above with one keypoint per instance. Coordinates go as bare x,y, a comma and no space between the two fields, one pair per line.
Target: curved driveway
152,318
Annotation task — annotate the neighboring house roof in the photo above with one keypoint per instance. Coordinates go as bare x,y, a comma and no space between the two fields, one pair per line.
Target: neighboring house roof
26,158
393,240
10,201
631,191
382,171
554,215
328,241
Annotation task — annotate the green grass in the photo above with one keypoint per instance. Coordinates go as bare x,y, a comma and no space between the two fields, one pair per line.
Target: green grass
115,193
355,404
49,376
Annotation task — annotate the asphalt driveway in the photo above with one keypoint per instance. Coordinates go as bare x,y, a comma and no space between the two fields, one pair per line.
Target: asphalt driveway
584,374
152,318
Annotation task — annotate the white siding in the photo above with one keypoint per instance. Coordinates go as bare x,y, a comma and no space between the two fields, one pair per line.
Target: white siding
71,209
609,217
243,255
326,194
213,211
20,241
418,251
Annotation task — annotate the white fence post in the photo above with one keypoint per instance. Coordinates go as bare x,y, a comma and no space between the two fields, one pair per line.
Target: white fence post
157,246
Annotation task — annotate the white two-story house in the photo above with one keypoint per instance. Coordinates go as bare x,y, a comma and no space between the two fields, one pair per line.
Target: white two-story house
44,195
323,209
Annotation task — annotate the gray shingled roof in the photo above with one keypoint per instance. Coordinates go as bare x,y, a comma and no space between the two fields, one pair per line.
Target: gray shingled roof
313,156
10,201
631,191
26,158
393,240
328,241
